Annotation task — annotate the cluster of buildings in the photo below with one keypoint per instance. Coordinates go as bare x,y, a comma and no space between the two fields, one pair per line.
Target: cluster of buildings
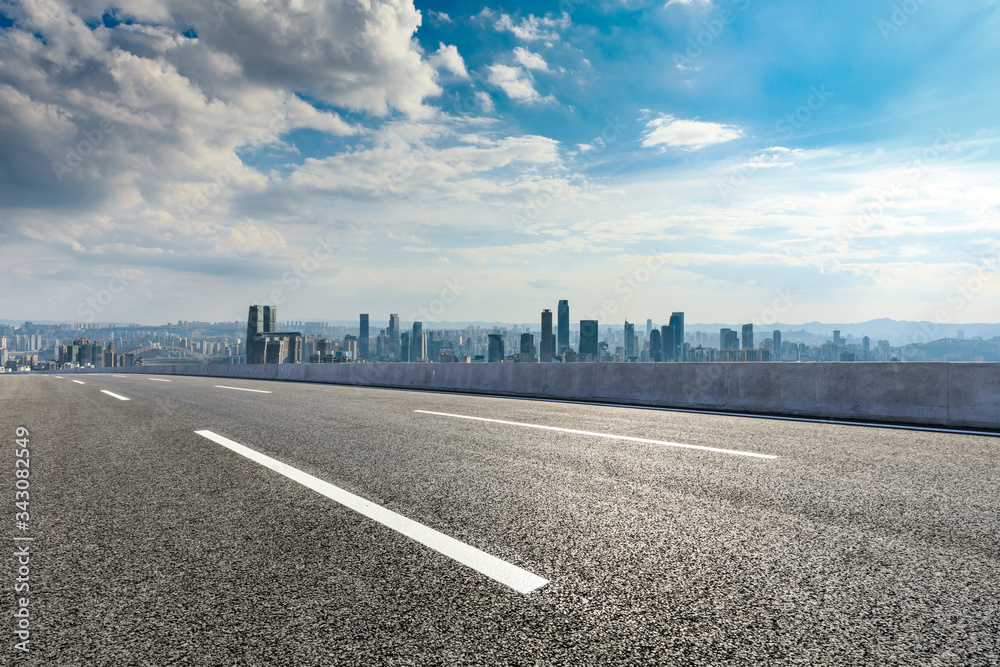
555,339
552,337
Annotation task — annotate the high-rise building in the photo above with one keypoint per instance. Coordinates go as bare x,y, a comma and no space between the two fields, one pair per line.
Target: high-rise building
545,353
562,342
655,353
629,341
418,329
527,347
677,322
837,340
394,344
728,340
420,347
404,346
495,351
748,336
776,345
649,328
363,337
261,319
588,339
668,339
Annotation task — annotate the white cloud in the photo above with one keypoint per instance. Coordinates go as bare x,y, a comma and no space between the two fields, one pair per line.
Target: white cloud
688,2
530,60
516,83
448,58
532,28
687,134
485,101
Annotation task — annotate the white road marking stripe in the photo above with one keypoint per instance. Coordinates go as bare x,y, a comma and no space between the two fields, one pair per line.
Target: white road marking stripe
259,391
119,376
60,377
507,574
158,380
606,435
120,398
79,382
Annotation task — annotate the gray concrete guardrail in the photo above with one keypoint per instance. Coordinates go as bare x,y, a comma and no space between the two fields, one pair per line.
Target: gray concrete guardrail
951,395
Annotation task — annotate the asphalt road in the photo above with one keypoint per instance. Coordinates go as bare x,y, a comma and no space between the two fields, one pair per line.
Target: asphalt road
155,545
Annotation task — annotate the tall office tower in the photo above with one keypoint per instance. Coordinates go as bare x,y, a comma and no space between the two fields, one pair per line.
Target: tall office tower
562,342
629,340
394,351
837,340
649,328
382,345
748,336
363,337
866,345
776,345
418,328
545,353
495,350
270,319
259,320
419,347
527,347
588,339
404,346
727,339
292,350
654,345
677,322
668,342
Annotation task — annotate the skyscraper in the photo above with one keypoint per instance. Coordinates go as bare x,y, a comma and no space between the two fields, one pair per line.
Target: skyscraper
588,339
748,336
649,328
418,328
495,351
776,345
420,347
667,342
527,347
727,340
394,351
363,337
677,322
545,353
655,352
261,319
562,341
404,346
629,341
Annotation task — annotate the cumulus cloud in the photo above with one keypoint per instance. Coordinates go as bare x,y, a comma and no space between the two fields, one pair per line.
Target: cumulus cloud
448,58
516,83
532,28
692,135
689,3
530,60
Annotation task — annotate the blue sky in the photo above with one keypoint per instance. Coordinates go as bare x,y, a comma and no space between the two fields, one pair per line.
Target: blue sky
475,161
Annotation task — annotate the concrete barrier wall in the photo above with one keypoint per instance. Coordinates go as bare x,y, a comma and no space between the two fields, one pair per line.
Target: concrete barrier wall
956,395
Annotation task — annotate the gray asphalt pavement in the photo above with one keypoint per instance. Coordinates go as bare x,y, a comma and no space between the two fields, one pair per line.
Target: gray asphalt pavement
154,545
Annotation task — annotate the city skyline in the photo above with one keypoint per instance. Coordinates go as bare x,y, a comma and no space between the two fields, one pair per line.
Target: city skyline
713,152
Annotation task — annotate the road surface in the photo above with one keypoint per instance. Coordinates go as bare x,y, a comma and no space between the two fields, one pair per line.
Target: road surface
198,522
